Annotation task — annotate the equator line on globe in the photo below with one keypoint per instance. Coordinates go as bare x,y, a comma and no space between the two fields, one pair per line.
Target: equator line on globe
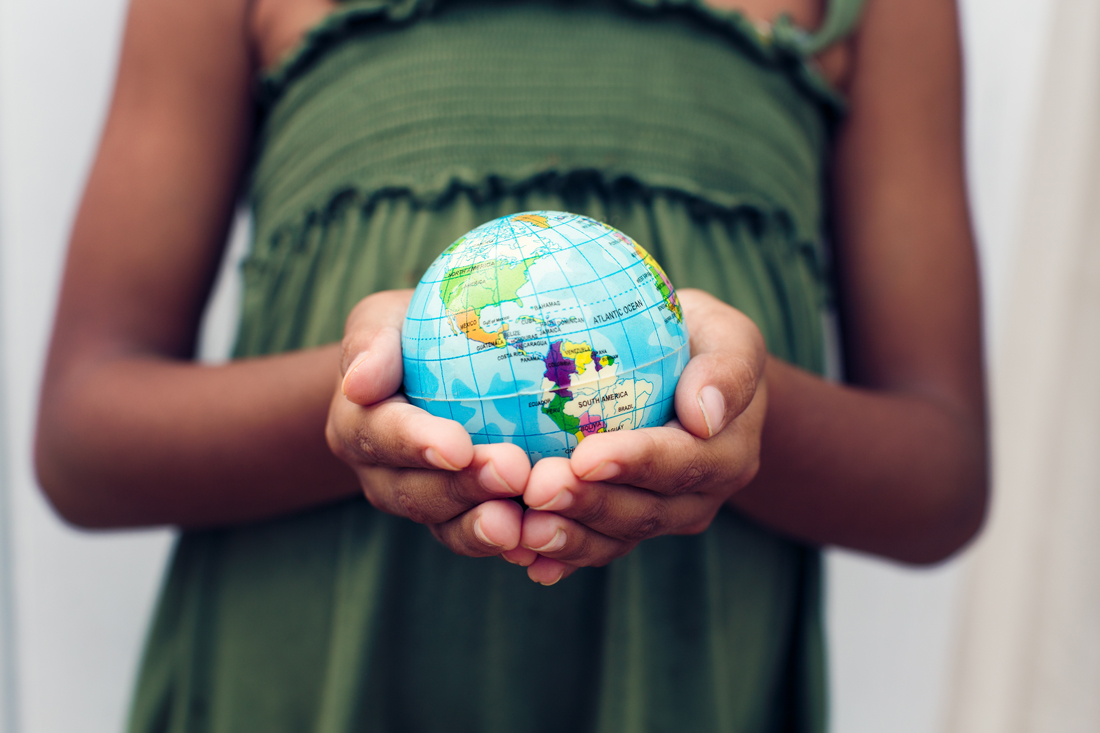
541,329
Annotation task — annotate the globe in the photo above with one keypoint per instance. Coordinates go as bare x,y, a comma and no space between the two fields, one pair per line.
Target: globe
544,328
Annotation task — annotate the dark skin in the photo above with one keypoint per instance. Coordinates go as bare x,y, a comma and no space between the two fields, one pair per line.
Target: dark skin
133,432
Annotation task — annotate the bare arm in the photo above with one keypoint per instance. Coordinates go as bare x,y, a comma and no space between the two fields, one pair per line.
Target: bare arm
132,432
893,464
896,463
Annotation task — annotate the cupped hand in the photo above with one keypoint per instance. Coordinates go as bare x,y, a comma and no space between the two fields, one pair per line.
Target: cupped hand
409,462
623,487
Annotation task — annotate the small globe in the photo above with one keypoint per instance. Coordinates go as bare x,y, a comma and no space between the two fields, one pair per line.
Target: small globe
541,329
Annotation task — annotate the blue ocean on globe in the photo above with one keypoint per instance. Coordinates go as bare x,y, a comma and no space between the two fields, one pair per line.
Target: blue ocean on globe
544,328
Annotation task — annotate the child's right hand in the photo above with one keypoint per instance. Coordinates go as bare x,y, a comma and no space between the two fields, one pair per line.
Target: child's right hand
411,463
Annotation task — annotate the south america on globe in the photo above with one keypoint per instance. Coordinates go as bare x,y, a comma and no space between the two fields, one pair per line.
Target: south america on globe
544,328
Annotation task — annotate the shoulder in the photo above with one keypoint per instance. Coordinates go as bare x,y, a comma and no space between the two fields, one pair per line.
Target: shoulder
275,27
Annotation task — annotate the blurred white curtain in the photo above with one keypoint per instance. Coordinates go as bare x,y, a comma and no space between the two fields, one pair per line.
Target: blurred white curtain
1029,642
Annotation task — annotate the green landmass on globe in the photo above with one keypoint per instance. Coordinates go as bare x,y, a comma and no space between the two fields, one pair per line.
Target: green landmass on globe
543,328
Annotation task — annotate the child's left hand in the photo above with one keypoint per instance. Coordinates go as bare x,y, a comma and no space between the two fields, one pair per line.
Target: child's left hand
623,487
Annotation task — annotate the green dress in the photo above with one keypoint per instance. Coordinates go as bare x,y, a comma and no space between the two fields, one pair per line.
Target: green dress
397,126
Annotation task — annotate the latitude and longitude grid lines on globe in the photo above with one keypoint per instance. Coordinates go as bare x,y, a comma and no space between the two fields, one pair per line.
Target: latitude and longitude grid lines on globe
634,261
638,263
632,264
578,245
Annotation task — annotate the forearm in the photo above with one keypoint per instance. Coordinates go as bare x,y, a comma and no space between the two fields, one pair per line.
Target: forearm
133,440
895,474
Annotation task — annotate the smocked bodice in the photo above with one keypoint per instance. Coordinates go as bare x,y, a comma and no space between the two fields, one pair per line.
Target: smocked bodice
476,95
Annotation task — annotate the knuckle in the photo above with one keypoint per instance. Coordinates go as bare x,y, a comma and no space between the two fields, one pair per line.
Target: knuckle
650,522
690,475
411,500
366,443
596,510
706,511
455,489
646,471
408,503
743,383
425,497
697,527
393,492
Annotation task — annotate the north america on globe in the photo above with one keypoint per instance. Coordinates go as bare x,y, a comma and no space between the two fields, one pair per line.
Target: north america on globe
544,328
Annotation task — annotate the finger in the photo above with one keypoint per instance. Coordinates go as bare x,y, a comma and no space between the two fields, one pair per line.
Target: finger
488,529
547,571
434,496
671,461
621,512
370,363
727,363
520,556
550,484
396,434
375,373
558,538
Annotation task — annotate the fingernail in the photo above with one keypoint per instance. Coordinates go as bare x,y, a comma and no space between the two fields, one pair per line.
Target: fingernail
713,405
553,545
524,562
355,364
491,479
562,500
555,580
431,455
481,534
606,470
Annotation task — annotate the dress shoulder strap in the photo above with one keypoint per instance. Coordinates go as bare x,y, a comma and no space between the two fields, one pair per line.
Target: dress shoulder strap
841,18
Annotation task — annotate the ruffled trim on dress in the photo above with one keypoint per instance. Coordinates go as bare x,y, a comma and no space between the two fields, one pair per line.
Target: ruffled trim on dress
302,211
708,203
344,22
781,44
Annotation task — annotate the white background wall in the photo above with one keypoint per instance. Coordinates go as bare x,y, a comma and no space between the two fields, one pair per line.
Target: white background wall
892,630
73,606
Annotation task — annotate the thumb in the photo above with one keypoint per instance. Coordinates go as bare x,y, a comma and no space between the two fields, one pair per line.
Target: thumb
728,357
370,365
